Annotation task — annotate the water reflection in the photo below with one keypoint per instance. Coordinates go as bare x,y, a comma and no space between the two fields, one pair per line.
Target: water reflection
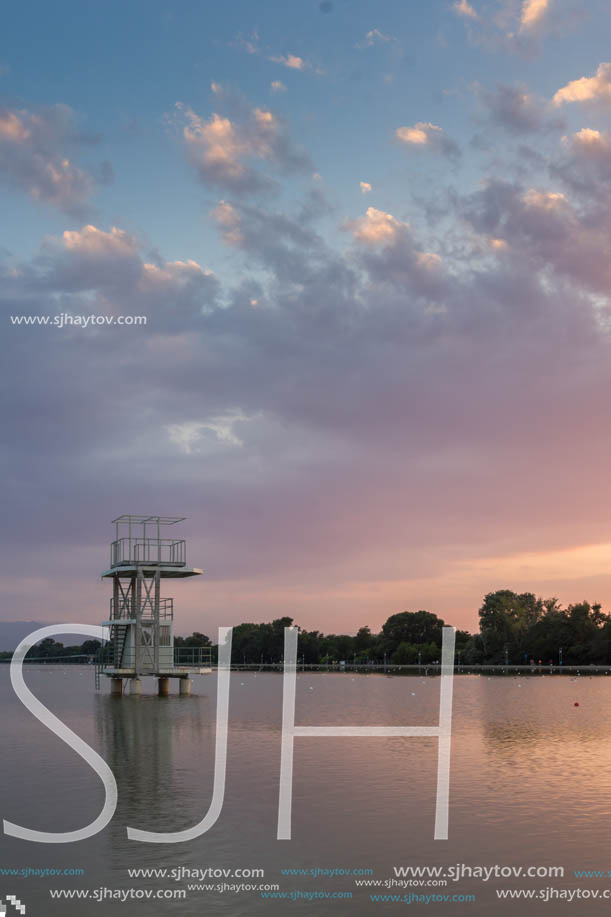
530,777
159,752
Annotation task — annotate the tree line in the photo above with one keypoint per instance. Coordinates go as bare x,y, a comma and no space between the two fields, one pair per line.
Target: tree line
514,628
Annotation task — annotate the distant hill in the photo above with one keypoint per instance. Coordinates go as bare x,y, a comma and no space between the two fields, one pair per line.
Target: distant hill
13,632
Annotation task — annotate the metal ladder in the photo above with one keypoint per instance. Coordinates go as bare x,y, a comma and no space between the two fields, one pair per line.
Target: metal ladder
99,665
115,657
119,636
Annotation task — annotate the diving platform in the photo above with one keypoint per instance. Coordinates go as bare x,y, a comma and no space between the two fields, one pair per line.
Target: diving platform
168,571
182,672
141,622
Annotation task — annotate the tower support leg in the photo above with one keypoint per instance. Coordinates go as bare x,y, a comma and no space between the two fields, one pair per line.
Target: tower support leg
163,686
135,686
116,687
185,687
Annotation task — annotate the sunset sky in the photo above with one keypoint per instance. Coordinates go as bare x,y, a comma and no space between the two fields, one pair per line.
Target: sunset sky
372,242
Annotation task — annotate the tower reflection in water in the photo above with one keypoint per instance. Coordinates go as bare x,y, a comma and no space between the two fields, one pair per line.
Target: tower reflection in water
161,752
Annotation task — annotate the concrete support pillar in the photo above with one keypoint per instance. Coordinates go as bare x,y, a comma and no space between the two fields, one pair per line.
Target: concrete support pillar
185,687
116,687
163,686
135,686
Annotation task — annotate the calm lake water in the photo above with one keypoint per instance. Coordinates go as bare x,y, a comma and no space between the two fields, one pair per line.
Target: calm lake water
530,786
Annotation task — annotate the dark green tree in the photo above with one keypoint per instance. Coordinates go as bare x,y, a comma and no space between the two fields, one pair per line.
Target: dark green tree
505,620
412,627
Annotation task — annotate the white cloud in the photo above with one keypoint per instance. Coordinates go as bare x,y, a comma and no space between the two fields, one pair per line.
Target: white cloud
587,136
375,228
373,37
543,200
365,187
12,128
423,135
35,157
587,89
590,143
463,8
193,437
292,61
553,235
533,12
171,274
221,147
418,135
391,255
93,241
277,86
106,267
586,163
227,217
251,45
515,25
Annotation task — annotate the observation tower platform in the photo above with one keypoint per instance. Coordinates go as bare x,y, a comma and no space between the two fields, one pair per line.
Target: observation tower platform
141,622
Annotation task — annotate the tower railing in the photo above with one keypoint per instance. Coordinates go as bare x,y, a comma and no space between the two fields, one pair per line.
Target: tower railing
184,656
192,656
139,550
123,609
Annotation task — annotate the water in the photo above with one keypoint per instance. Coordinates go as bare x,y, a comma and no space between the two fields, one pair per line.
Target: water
530,784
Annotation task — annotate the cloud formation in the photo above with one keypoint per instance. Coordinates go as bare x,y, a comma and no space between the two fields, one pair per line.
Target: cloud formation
373,37
317,405
585,164
546,230
332,404
35,157
518,111
222,149
424,135
517,26
533,12
292,61
587,88
375,228
464,8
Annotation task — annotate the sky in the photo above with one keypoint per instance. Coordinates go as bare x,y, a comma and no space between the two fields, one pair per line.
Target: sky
371,245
